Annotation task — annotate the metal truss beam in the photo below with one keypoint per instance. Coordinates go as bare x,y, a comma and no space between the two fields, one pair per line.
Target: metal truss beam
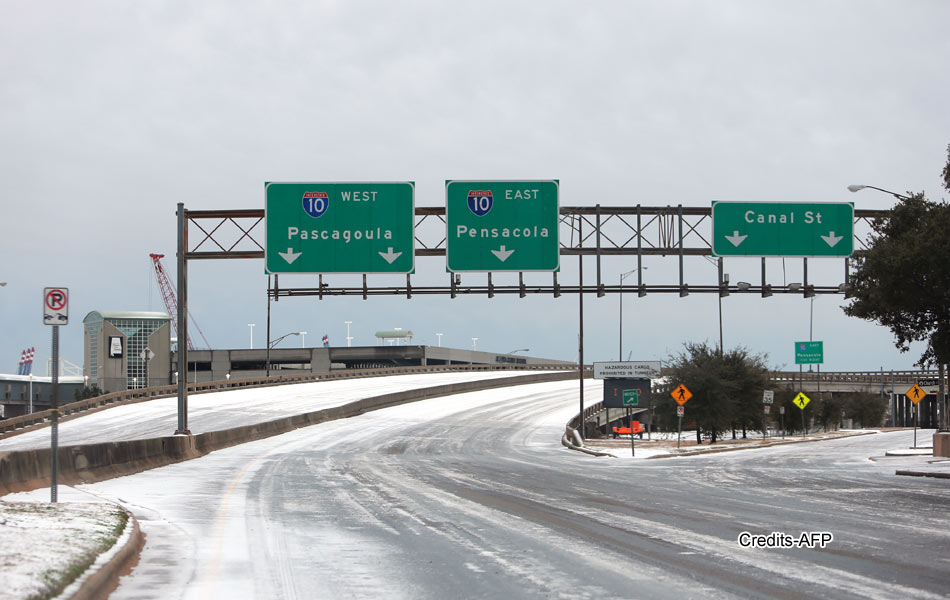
600,231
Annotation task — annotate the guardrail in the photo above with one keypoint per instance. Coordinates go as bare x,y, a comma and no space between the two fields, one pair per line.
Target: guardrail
864,377
24,423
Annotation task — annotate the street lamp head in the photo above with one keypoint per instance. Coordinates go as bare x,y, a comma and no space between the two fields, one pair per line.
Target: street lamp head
858,188
3,283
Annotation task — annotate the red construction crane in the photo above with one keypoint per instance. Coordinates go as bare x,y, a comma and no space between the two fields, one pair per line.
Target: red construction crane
169,295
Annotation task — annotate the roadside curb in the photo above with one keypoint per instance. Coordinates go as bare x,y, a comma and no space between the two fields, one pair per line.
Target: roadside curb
100,580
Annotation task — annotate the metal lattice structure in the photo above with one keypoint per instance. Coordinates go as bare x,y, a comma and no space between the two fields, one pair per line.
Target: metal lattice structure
595,231
637,231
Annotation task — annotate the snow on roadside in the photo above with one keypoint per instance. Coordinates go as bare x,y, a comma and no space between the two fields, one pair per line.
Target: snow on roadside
39,541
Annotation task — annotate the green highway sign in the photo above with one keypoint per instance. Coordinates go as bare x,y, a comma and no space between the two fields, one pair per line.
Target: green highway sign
809,353
339,227
783,229
631,397
502,225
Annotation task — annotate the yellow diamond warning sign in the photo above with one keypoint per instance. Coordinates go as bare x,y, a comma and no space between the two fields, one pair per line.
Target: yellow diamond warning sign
916,394
801,400
681,394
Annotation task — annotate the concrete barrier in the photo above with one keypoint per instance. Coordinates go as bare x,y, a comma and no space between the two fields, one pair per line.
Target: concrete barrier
942,444
39,419
25,470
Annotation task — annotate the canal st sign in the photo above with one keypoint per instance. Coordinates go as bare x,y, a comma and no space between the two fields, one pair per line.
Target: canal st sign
782,229
502,225
339,227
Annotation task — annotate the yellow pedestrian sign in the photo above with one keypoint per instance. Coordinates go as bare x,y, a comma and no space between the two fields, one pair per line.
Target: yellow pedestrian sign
681,394
801,400
916,394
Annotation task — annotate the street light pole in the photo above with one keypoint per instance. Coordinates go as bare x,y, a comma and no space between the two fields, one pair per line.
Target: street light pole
440,338
303,339
278,340
251,326
858,188
620,335
348,338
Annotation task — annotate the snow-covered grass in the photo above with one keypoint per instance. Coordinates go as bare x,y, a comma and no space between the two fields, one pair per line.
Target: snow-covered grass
666,444
44,547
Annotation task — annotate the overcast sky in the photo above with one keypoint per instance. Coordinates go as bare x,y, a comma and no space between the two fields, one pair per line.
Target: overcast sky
112,112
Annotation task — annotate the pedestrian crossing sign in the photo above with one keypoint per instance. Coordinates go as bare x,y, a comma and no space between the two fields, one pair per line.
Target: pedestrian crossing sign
681,394
916,394
801,400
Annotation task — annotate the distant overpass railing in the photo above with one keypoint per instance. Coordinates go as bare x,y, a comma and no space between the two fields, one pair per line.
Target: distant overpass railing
855,377
35,420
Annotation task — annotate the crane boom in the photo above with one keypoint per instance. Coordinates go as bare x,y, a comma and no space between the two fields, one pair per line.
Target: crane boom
169,297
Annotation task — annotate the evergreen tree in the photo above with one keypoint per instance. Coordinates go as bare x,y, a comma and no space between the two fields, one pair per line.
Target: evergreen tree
902,280
727,388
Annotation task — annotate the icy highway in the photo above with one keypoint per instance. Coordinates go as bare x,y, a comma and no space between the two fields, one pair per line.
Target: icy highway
472,496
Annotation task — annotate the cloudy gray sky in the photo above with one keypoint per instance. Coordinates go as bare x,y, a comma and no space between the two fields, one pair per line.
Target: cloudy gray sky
112,112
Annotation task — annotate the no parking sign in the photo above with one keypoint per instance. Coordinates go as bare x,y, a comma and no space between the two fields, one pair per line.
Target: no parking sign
56,306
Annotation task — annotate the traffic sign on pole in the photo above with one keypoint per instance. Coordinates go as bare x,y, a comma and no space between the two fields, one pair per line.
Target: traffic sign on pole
681,394
782,229
620,393
339,227
801,400
502,225
915,393
631,397
809,353
56,306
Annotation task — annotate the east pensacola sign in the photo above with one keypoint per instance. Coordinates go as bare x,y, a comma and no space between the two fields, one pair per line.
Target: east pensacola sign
339,227
809,353
783,229
502,225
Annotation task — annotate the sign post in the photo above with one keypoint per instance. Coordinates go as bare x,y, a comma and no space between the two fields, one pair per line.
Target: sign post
626,393
801,401
55,313
916,394
809,353
682,395
680,410
339,227
502,225
783,229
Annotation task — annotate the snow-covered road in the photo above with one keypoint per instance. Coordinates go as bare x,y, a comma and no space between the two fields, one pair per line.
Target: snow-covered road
472,496
222,410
